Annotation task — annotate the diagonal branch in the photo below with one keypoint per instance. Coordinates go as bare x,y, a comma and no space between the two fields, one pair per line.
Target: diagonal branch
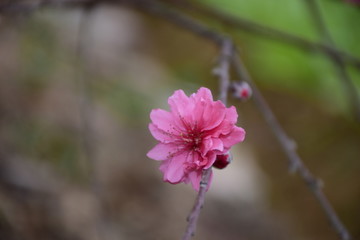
289,147
23,6
246,25
338,62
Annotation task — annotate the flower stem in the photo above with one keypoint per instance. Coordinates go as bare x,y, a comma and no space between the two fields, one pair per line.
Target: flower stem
199,202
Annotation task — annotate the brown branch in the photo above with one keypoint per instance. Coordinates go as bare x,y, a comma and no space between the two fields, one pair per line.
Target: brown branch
19,6
199,202
246,25
338,62
25,6
222,71
289,147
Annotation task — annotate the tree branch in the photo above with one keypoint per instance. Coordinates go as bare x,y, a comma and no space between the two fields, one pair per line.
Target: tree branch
338,62
222,71
199,202
243,24
289,147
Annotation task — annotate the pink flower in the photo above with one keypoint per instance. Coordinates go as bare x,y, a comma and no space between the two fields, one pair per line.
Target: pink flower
192,134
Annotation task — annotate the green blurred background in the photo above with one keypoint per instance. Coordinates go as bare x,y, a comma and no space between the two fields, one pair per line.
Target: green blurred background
75,100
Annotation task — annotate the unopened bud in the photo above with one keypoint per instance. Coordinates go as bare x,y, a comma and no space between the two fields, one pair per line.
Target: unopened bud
242,90
222,160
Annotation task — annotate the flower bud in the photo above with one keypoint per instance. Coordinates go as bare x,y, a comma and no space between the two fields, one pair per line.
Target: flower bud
222,160
242,90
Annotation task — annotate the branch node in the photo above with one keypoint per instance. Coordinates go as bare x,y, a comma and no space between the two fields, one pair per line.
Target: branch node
203,184
291,144
320,183
293,167
216,71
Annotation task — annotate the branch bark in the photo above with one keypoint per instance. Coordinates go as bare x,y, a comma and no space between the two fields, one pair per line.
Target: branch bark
289,147
338,62
199,202
223,73
246,25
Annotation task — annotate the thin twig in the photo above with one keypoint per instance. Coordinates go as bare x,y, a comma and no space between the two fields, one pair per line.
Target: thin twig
243,24
222,71
18,6
157,9
339,65
237,22
289,147
21,6
199,202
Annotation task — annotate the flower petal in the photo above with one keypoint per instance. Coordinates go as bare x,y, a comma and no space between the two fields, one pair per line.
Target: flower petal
227,125
211,144
217,144
231,115
206,145
213,115
161,135
210,159
202,94
182,108
163,120
237,135
162,151
179,102
208,115
174,170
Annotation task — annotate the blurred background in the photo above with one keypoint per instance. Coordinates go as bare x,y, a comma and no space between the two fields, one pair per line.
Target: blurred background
76,90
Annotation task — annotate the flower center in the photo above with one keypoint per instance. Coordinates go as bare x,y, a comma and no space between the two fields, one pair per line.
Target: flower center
192,140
